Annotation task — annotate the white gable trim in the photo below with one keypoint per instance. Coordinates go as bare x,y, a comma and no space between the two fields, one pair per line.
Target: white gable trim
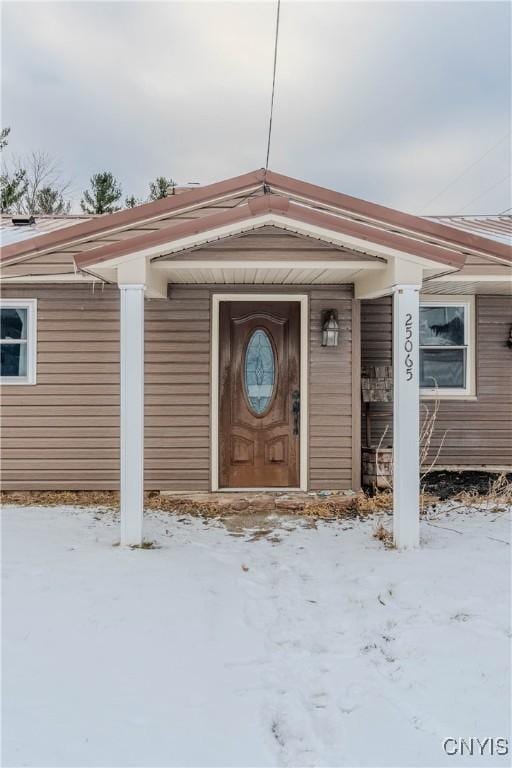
277,220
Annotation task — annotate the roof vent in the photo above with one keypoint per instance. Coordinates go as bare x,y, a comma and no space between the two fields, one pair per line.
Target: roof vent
178,190
23,221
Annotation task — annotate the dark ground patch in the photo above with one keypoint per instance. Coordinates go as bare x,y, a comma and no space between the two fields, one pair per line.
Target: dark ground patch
448,484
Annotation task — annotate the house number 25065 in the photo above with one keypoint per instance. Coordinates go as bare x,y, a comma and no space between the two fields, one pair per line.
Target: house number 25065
408,347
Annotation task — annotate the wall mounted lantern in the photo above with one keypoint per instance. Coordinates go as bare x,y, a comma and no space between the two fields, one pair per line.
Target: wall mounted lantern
330,328
509,340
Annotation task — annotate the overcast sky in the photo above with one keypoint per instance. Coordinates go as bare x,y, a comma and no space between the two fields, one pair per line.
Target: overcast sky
385,101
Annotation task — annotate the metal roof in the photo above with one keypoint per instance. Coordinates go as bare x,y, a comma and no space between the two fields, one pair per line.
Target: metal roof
12,233
498,228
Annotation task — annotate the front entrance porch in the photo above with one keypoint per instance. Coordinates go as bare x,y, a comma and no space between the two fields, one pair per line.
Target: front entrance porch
292,419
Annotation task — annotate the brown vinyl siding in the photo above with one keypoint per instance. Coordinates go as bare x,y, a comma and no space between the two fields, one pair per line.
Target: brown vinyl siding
63,432
478,432
330,396
267,244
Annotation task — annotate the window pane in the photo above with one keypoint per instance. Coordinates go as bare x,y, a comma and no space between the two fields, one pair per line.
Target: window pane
259,371
13,323
442,326
443,368
13,360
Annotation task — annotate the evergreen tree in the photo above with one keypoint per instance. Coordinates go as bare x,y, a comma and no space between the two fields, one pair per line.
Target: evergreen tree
159,188
4,133
103,195
50,201
13,188
12,185
131,202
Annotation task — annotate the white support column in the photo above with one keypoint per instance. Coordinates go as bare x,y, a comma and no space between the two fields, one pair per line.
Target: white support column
132,413
406,416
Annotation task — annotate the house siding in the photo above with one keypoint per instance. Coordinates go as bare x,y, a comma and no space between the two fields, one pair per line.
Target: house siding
63,432
476,432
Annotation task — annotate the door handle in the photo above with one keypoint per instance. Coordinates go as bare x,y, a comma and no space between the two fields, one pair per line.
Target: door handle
296,410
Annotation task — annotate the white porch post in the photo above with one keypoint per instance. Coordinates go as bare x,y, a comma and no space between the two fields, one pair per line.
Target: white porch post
132,413
406,426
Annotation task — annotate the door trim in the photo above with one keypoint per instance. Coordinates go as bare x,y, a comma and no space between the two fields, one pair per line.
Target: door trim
303,300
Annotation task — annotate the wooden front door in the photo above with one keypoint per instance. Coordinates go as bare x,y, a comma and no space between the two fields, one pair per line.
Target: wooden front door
259,391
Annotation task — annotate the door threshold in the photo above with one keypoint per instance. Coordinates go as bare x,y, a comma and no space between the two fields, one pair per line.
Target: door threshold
260,490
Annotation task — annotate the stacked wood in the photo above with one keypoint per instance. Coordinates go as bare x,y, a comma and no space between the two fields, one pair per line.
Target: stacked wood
377,468
377,384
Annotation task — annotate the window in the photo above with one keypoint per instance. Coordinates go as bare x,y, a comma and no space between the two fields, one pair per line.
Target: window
260,371
447,346
18,341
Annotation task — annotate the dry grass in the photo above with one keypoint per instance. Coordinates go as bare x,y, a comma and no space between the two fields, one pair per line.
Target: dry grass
383,534
379,502
109,499
498,495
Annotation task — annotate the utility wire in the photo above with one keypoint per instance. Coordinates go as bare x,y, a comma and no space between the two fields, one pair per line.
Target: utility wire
273,84
482,194
488,152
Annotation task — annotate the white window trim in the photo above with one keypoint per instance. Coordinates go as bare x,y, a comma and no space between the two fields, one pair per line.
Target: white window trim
469,391
31,306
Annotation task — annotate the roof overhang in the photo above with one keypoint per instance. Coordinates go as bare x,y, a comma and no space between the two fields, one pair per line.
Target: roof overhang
275,211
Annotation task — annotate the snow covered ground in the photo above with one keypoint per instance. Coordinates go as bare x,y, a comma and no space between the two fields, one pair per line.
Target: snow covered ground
288,645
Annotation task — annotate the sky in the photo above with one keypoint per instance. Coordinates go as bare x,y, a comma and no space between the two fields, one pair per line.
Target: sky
387,101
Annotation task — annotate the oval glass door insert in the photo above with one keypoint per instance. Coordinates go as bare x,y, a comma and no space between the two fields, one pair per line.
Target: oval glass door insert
259,371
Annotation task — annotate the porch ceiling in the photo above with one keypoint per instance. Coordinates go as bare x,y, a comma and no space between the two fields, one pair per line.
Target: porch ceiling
261,273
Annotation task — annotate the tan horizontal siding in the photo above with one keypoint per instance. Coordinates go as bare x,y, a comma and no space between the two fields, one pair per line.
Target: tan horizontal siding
64,431
268,244
330,400
478,433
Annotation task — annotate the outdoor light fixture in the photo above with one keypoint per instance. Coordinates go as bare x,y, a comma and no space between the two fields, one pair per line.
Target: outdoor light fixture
330,328
509,340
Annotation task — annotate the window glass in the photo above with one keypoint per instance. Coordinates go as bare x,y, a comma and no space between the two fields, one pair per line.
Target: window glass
13,323
259,371
442,326
443,368
13,360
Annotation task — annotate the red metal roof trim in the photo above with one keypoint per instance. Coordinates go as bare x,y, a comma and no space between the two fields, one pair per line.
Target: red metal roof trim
281,206
130,216
287,185
386,215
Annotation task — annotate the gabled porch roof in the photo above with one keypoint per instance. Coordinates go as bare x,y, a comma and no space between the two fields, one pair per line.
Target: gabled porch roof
128,223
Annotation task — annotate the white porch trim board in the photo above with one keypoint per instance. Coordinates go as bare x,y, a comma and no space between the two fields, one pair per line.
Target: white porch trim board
132,413
406,416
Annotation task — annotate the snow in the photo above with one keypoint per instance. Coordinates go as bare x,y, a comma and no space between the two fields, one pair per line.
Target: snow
291,644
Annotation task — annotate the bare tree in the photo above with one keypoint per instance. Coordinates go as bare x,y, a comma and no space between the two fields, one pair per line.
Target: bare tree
45,189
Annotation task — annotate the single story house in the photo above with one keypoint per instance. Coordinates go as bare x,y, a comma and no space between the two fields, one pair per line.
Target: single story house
215,339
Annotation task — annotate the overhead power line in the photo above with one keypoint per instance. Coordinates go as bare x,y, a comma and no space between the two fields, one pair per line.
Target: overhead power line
466,170
273,84
482,194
